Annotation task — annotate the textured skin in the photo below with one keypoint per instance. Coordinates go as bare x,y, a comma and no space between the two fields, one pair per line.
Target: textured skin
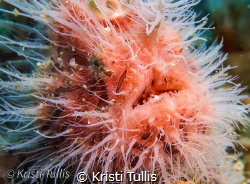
124,89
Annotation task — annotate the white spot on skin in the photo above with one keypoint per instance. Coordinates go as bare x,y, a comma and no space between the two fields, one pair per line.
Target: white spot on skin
72,62
107,29
151,120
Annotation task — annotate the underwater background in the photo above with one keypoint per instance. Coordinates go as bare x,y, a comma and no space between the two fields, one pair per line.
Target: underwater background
229,21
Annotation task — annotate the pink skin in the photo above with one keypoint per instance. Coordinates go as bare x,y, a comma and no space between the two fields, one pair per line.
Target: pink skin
156,106
124,90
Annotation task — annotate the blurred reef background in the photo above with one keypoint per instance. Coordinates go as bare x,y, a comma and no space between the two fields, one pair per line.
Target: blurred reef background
231,22
14,57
